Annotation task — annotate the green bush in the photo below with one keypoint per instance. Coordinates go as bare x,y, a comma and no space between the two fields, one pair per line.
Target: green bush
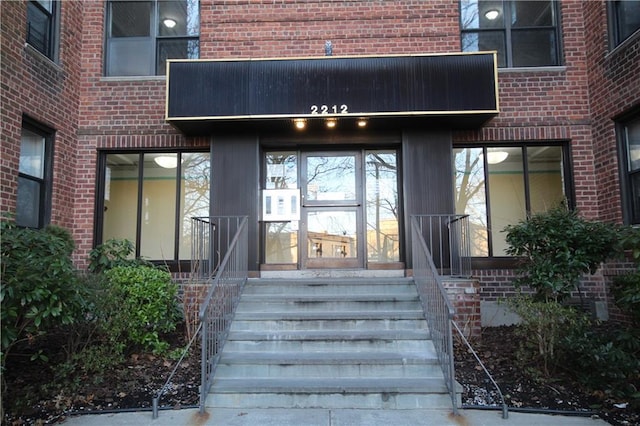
139,306
543,326
605,359
556,248
114,252
38,287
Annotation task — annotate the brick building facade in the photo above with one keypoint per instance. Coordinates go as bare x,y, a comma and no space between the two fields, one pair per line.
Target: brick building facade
574,108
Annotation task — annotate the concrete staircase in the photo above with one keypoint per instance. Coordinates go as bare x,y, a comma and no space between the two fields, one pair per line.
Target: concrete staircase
329,343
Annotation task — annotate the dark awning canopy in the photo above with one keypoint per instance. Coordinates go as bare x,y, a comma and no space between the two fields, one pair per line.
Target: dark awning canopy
458,90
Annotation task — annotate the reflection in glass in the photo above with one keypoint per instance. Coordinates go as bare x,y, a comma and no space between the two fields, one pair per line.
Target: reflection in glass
331,178
194,197
382,207
281,243
470,196
332,234
281,170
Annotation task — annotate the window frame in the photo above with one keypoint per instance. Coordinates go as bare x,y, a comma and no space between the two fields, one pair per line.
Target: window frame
51,42
46,182
629,215
492,260
615,38
154,41
507,30
175,264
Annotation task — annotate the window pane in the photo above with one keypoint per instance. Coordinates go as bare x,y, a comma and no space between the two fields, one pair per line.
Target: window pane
382,207
628,16
130,56
28,203
506,193
130,19
32,154
176,49
476,14
534,48
194,197
281,242
546,182
635,197
178,18
39,28
632,131
158,226
485,41
282,170
321,178
536,13
332,234
120,197
470,196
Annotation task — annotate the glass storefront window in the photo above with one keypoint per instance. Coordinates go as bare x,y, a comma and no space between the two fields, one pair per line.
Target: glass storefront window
499,186
145,202
383,242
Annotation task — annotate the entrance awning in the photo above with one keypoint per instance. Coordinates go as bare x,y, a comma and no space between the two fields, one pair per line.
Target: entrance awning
454,90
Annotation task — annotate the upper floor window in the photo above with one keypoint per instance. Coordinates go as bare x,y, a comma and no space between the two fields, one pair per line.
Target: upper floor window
629,135
524,33
142,35
34,177
41,26
624,19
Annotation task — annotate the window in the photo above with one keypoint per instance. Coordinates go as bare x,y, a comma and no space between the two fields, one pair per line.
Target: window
150,198
624,20
142,35
524,33
34,177
41,26
499,186
629,132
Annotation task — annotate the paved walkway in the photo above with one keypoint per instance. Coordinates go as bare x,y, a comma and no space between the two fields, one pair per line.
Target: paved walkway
324,417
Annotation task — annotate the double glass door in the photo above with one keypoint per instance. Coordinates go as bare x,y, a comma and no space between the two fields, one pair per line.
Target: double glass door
347,209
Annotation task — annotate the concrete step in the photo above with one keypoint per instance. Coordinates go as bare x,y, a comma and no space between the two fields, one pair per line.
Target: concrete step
331,343
315,324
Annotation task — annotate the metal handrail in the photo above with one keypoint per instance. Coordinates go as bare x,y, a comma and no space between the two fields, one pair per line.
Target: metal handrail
218,308
437,308
448,239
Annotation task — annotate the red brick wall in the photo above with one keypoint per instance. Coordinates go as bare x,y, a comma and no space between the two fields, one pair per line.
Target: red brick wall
45,91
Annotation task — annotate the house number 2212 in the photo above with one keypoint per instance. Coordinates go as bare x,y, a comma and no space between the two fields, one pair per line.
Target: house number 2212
329,109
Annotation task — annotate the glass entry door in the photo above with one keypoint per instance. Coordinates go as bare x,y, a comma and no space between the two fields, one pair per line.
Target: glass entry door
331,231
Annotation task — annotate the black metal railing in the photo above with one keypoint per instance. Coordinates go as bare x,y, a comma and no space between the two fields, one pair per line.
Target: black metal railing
437,308
448,240
219,257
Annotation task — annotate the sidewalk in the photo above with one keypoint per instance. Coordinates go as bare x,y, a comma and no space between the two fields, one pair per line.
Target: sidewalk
325,417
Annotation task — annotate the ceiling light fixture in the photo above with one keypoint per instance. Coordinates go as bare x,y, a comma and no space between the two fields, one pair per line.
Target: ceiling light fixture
167,161
331,123
492,14
169,23
495,157
362,123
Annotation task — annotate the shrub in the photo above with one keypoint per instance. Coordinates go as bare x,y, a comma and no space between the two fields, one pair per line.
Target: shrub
114,252
605,359
39,284
543,326
557,247
139,305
